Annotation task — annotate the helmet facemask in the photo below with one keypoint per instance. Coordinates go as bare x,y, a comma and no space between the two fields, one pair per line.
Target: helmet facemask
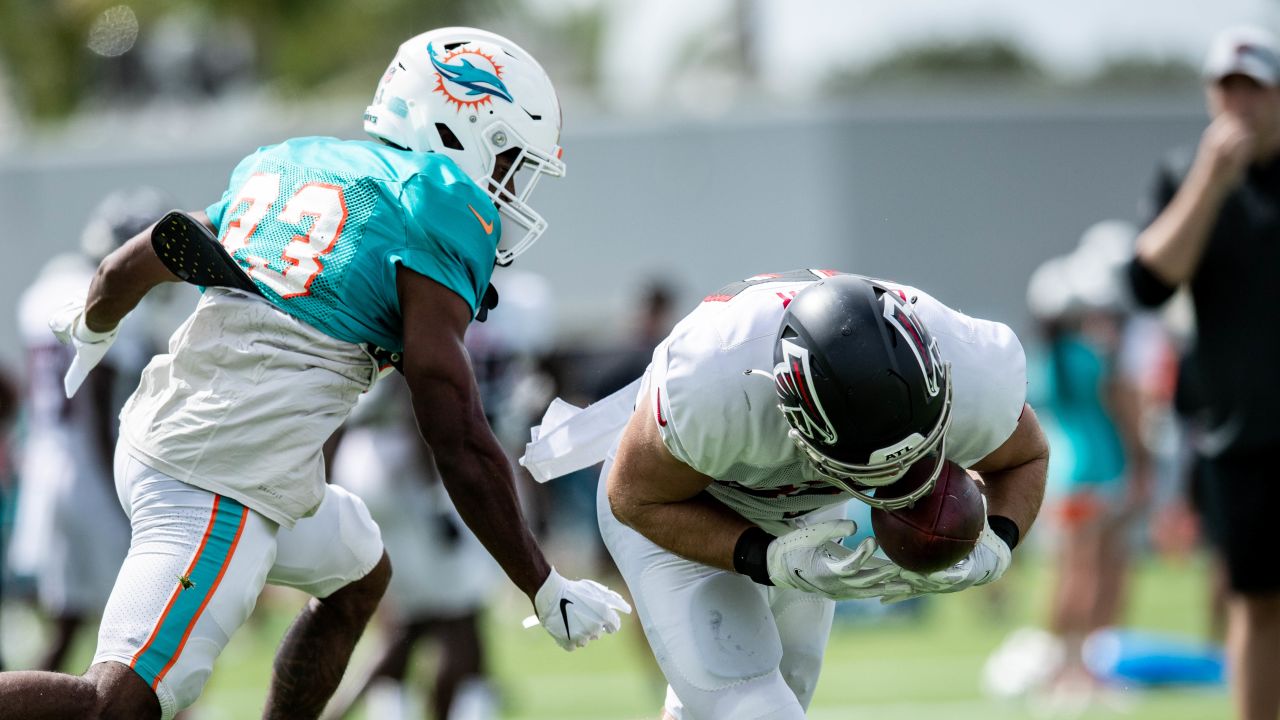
850,477
510,183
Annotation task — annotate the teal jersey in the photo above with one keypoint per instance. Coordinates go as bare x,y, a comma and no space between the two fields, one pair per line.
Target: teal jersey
321,224
1074,380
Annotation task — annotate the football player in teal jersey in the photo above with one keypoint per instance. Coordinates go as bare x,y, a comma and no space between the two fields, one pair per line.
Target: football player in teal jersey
336,250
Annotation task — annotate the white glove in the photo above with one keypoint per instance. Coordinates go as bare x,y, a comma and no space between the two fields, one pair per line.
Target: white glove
811,559
988,561
68,326
575,612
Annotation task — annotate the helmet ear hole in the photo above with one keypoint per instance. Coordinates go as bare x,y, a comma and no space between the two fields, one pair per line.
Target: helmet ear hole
447,138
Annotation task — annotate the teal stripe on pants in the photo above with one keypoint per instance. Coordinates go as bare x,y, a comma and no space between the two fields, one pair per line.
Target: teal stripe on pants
166,639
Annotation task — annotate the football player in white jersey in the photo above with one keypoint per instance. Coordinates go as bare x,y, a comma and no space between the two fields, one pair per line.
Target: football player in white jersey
765,410
70,534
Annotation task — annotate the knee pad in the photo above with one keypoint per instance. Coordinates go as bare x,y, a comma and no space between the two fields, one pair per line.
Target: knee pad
708,633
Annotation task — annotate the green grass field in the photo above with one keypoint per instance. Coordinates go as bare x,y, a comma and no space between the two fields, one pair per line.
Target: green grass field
897,670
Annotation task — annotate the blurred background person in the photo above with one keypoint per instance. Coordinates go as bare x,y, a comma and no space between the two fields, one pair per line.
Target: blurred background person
1100,469
9,407
70,534
512,353
589,371
652,318
1215,220
443,577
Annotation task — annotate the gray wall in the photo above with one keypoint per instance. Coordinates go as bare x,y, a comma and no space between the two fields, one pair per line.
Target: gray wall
963,204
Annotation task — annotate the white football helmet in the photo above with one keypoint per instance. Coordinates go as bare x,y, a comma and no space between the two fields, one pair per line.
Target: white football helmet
474,95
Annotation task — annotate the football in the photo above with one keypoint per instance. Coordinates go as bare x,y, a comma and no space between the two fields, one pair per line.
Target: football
940,529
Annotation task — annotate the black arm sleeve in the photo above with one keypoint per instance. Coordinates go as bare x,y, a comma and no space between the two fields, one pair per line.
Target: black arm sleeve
1148,290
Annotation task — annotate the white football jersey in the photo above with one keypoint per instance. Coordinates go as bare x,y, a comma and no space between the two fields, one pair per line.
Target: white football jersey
725,423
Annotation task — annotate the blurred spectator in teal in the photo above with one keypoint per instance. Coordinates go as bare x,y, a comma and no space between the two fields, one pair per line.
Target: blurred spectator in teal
1099,476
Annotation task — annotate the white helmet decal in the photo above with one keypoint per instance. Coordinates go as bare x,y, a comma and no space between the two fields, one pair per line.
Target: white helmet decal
798,398
923,346
478,77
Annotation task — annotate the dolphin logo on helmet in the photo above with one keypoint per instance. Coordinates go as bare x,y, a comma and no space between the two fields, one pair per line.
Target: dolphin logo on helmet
477,81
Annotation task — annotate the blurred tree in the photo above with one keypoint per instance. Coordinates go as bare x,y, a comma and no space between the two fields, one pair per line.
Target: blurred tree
300,45
996,62
993,60
42,44
580,35
1145,74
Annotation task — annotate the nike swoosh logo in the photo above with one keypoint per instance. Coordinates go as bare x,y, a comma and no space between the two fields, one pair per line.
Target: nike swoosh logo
488,226
564,615
658,404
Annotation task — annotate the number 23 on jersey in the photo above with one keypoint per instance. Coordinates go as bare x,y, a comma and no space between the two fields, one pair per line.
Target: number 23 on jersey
303,257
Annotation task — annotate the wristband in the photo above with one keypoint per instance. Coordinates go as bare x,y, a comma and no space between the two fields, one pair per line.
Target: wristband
1148,289
81,332
1005,529
751,554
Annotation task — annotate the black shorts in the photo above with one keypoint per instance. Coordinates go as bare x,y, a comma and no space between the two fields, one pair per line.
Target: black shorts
1241,496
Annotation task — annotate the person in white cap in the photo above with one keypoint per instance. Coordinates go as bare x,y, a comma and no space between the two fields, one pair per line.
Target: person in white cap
1215,227
1086,376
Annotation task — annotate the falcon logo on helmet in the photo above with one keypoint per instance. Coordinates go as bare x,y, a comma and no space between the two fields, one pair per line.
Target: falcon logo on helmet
481,85
923,346
797,396
845,372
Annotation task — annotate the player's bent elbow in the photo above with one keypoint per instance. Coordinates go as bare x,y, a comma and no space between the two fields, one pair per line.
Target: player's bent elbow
622,504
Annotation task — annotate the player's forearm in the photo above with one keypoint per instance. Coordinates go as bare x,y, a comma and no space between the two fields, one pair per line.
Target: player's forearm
1017,492
1014,474
476,473
1172,246
700,529
122,280
480,483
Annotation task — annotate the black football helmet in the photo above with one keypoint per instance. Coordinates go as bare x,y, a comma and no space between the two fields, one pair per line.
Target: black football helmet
863,386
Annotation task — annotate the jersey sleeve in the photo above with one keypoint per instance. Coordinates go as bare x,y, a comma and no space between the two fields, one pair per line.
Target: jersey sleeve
988,378
710,414
446,240
218,210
